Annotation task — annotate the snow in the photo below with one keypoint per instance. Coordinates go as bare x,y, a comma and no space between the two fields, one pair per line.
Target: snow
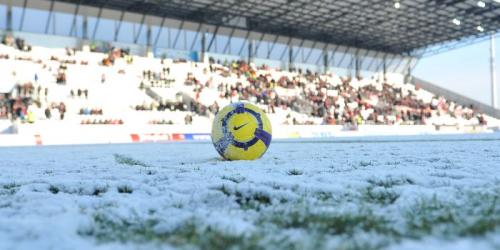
433,192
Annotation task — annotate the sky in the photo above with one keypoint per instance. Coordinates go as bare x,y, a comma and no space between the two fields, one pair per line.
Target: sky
465,70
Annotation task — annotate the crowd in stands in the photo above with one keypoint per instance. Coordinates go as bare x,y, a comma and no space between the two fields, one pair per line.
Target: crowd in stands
115,53
157,79
161,122
18,43
90,111
348,105
328,98
80,93
55,111
162,106
102,122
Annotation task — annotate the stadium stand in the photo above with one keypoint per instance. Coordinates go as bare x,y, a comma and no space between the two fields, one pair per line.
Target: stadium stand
117,88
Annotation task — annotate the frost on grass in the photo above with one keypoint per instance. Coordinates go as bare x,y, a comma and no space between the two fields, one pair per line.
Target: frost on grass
310,224
323,196
476,215
233,178
9,188
126,160
294,172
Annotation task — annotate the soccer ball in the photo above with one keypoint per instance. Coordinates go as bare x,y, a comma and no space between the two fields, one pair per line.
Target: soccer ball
241,131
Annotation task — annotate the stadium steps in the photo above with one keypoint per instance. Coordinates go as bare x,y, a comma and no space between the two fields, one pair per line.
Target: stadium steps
453,96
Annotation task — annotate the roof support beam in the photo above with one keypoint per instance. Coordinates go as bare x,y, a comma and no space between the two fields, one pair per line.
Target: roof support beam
372,61
157,38
117,28
363,58
21,24
296,53
200,25
256,49
310,51
73,24
245,41
99,14
420,25
387,65
228,43
49,18
181,25
382,65
213,38
269,50
399,64
332,57
324,52
343,57
285,49
140,28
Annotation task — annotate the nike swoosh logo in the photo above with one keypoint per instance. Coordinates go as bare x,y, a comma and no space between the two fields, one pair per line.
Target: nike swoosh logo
241,126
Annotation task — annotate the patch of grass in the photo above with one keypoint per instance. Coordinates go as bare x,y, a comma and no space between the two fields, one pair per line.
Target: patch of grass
427,214
323,195
107,228
195,234
235,179
393,163
247,200
124,189
9,188
95,191
366,163
383,196
332,223
478,215
99,190
53,189
125,160
389,181
447,175
148,171
360,218
5,204
433,159
189,234
294,172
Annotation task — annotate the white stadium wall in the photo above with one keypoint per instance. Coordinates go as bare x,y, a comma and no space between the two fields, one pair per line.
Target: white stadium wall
67,134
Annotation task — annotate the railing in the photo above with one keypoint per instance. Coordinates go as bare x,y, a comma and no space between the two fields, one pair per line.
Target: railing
458,98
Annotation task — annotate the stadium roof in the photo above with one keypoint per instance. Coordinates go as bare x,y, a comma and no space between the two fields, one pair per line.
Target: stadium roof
398,26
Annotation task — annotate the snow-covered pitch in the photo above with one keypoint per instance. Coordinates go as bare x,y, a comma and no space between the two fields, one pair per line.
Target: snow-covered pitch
436,192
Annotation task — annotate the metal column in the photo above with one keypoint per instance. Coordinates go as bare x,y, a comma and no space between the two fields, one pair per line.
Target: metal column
325,61
357,65
203,41
384,65
149,41
250,51
493,72
85,28
9,17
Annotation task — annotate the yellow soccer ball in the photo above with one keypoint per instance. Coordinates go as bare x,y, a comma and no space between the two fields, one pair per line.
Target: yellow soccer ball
241,131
